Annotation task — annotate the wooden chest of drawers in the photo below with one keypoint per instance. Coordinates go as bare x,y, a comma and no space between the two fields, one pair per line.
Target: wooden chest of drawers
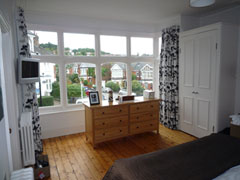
109,121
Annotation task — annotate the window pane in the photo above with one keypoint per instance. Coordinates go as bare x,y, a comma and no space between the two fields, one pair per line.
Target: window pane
160,45
141,46
49,85
43,42
113,45
79,44
114,78
81,79
142,77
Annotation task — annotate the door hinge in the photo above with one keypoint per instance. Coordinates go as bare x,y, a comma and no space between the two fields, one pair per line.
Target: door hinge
213,128
10,131
216,45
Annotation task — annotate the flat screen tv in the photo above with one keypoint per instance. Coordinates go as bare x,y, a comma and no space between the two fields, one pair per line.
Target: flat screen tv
28,70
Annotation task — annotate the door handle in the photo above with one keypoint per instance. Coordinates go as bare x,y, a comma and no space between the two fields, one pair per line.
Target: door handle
195,92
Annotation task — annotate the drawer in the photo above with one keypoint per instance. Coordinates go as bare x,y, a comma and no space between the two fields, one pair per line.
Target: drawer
118,121
111,122
143,126
111,133
110,111
144,107
144,117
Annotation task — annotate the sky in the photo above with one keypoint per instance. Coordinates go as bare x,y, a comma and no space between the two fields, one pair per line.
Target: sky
111,44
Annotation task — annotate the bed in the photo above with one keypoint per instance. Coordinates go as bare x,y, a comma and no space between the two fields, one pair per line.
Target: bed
202,159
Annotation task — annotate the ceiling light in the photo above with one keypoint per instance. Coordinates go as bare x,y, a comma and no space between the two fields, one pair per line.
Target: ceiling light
201,3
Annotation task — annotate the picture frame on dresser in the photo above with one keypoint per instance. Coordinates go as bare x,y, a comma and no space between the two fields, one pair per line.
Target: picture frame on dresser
94,98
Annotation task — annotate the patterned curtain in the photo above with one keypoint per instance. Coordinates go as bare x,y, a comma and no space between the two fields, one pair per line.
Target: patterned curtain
30,102
168,77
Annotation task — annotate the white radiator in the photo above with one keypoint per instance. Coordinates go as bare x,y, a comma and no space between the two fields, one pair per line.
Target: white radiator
26,131
22,174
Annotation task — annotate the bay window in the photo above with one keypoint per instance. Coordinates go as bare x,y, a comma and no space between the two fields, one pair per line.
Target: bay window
74,64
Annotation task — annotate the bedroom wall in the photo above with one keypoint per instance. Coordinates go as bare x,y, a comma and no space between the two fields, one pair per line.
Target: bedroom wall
12,88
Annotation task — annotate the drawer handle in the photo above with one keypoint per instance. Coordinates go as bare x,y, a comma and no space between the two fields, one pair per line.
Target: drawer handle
151,124
120,130
103,113
137,117
120,110
103,123
137,127
151,115
103,134
120,120
152,106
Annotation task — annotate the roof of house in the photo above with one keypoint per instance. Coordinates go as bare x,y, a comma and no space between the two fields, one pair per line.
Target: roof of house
138,66
42,51
121,65
87,65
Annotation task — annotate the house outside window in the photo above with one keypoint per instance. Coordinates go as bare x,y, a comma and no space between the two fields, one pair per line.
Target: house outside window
48,90
43,42
75,69
117,71
147,72
142,77
83,71
82,82
114,79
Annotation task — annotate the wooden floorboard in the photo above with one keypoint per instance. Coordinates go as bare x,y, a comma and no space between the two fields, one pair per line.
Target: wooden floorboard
73,158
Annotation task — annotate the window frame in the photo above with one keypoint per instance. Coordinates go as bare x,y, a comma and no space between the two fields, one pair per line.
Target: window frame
62,60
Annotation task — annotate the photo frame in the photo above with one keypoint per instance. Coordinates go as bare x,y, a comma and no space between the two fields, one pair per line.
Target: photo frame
94,98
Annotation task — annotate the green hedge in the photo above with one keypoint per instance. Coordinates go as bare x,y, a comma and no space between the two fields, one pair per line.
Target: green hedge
85,82
74,90
46,101
55,90
137,88
114,86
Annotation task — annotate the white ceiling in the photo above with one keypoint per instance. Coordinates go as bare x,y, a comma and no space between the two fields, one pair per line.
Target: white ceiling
137,11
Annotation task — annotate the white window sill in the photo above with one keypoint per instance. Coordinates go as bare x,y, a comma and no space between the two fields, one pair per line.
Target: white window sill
59,109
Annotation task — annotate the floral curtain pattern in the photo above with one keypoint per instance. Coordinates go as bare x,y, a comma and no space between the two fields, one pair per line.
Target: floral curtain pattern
168,77
30,102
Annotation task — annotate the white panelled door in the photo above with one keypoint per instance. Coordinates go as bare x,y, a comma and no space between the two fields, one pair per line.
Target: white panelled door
197,83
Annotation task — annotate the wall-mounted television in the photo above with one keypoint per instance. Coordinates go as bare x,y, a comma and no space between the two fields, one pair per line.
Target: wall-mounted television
28,70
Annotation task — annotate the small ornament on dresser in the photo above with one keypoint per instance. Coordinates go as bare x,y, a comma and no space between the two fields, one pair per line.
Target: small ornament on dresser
110,96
